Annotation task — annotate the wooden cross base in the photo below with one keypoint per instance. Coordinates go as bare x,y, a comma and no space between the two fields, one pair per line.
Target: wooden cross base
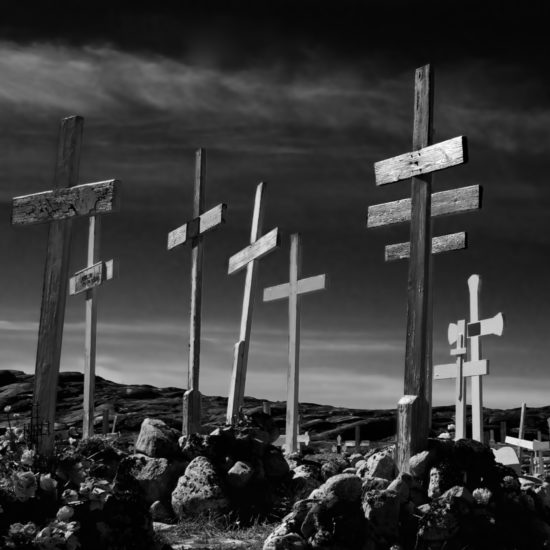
410,440
191,412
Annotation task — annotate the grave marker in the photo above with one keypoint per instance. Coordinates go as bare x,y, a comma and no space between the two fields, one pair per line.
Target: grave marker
192,232
248,257
414,410
293,291
87,280
58,207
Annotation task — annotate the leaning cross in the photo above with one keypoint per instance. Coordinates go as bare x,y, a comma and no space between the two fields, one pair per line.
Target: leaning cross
414,409
477,329
248,257
87,280
192,231
59,206
293,290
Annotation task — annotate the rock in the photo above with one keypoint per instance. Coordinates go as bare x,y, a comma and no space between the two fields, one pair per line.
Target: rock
291,541
161,513
458,493
304,481
156,477
239,474
443,477
438,524
343,488
355,458
199,491
370,483
421,463
350,471
275,465
361,467
402,486
157,440
381,464
381,508
329,469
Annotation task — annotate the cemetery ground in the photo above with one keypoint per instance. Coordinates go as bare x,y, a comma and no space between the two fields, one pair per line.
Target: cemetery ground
108,491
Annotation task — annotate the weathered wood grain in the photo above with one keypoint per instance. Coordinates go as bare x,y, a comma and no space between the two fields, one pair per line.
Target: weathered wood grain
255,251
91,277
211,219
89,199
408,415
445,243
444,203
426,160
54,291
304,286
469,368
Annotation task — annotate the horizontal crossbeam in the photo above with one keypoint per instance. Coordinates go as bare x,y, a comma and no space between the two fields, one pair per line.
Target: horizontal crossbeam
198,226
444,203
486,327
89,199
469,368
258,249
445,243
428,159
311,284
534,445
90,277
302,438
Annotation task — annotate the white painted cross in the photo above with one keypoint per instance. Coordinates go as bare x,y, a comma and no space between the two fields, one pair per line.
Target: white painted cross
58,207
302,439
248,257
475,330
293,291
87,280
192,232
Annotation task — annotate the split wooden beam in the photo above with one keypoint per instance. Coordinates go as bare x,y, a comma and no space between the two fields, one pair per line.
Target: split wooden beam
58,208
248,257
426,157
293,290
87,280
192,232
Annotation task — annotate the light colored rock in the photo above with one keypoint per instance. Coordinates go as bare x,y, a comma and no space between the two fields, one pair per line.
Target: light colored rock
355,458
199,491
361,467
381,464
349,471
402,486
239,474
157,440
420,463
343,488
434,489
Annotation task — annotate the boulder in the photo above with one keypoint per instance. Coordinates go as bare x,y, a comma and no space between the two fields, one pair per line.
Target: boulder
354,459
421,463
343,488
370,483
382,508
402,486
157,440
239,474
381,464
199,490
304,481
329,469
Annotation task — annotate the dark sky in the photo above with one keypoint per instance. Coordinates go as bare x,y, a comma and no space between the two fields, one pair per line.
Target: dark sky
305,96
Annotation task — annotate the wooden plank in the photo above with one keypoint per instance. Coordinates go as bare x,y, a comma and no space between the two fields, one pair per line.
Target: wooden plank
293,380
444,203
54,292
528,445
445,243
474,289
426,160
408,413
310,284
487,327
469,368
89,199
91,277
255,251
302,439
208,221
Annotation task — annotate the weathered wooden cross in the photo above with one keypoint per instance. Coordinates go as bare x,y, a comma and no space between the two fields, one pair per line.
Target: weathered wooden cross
87,280
192,232
293,291
248,257
414,409
59,206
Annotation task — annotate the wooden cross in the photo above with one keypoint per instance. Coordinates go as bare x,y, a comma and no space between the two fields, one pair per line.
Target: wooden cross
248,257
293,291
477,329
414,409
58,207
87,280
192,232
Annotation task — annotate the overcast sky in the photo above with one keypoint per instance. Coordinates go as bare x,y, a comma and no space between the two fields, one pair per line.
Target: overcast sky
305,96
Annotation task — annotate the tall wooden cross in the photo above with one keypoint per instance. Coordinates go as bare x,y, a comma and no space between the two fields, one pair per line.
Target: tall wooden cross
192,232
293,291
66,201
414,409
87,280
248,257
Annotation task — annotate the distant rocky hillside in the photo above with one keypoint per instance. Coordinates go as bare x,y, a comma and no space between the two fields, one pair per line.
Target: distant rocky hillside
133,403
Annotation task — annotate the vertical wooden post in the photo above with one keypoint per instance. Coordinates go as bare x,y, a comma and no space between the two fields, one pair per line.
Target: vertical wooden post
192,397
240,361
521,434
266,407
418,372
105,421
492,437
357,439
54,292
94,225
474,286
293,345
407,415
